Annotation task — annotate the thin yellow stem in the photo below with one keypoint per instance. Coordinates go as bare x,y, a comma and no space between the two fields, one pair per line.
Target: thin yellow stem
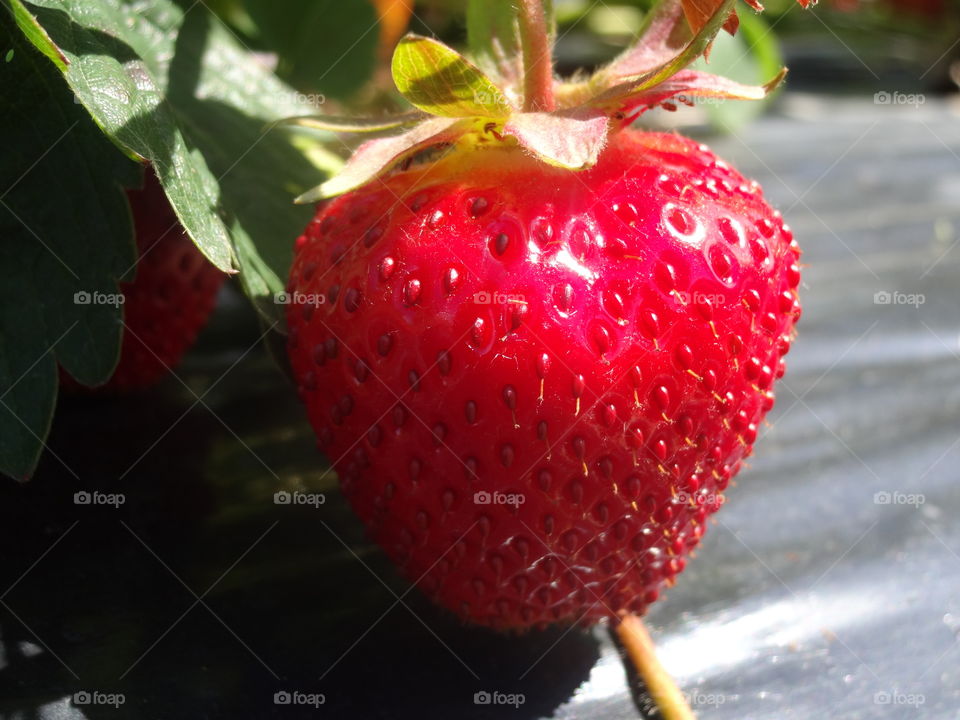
661,687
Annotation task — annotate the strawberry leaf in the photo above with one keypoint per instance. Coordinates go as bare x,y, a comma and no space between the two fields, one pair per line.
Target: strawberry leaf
439,80
376,157
65,235
119,91
336,123
563,139
178,89
620,90
38,36
693,83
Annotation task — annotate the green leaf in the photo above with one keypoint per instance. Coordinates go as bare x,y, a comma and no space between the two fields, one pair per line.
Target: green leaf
326,46
179,89
336,123
124,92
38,36
65,229
439,80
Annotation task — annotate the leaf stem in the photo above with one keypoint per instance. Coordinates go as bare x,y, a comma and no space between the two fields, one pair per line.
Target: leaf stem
537,58
661,687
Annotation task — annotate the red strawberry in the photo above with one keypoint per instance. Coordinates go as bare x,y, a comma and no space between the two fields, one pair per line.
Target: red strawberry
601,344
535,383
169,300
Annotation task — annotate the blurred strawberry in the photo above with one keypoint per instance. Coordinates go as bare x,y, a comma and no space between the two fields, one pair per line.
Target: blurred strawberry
169,300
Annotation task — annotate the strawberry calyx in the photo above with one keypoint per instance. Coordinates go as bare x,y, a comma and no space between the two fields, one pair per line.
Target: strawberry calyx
510,96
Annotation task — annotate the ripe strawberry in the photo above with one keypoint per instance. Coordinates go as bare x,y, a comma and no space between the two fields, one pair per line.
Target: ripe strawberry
536,383
170,298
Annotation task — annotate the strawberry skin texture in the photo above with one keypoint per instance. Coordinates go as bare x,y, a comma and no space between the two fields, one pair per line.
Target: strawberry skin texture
169,300
601,345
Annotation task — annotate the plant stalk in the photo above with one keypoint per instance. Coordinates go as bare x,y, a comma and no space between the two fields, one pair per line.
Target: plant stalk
661,687
537,57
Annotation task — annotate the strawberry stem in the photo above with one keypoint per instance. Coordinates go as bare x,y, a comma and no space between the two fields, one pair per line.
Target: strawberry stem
661,687
537,58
